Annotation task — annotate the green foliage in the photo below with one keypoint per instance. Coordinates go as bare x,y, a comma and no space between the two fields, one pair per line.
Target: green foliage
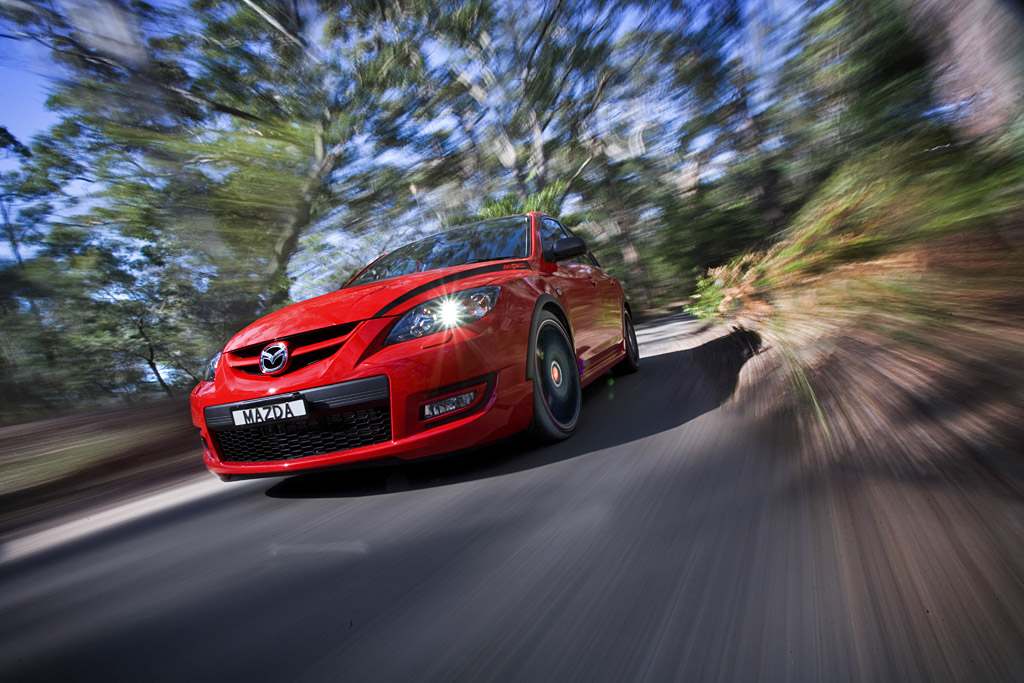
10,144
724,289
894,199
707,299
548,201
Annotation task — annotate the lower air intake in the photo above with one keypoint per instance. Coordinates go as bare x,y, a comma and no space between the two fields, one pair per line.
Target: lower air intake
303,438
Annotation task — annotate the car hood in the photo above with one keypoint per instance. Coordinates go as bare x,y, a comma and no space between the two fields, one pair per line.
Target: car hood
376,299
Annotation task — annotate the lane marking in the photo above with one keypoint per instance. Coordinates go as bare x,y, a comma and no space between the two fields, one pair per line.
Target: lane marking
91,523
658,338
337,547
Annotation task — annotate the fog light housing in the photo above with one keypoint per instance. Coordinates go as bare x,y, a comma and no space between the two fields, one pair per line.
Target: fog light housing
447,405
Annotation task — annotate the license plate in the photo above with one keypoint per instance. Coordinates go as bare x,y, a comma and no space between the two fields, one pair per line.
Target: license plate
272,412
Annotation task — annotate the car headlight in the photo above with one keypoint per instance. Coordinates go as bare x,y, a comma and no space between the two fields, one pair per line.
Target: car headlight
211,367
444,313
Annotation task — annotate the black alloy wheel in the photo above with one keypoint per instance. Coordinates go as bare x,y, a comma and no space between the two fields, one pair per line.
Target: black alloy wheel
556,381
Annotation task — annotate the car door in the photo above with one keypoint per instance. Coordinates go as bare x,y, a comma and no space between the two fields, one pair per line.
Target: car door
580,284
609,292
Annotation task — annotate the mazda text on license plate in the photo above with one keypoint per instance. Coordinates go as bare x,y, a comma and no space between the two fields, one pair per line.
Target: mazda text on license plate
268,413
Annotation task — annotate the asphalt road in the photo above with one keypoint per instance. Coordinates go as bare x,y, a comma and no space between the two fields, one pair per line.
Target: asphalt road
674,538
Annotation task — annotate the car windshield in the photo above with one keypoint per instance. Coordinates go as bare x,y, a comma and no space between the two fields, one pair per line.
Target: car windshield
491,240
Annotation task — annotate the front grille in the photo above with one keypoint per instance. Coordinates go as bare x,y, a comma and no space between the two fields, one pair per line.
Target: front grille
306,348
309,436
300,360
298,340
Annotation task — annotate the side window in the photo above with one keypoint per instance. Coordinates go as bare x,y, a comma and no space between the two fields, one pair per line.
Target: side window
550,232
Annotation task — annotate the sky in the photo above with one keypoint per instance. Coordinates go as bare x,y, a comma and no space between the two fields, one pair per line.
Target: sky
24,87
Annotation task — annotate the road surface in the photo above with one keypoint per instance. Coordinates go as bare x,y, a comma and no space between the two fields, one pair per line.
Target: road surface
674,538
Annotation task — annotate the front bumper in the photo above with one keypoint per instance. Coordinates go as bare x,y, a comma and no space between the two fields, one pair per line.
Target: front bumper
373,408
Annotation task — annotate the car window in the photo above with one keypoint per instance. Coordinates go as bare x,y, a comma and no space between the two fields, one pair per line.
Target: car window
491,240
552,231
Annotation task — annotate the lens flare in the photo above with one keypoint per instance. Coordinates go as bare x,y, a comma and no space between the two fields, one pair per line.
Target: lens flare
450,310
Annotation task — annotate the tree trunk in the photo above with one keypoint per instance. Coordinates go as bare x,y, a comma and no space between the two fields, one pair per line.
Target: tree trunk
151,362
538,159
766,187
976,48
278,283
634,265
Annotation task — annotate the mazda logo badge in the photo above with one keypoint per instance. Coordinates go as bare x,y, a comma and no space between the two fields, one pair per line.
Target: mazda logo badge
274,358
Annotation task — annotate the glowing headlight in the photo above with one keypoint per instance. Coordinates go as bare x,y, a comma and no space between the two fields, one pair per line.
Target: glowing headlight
449,313
211,367
443,313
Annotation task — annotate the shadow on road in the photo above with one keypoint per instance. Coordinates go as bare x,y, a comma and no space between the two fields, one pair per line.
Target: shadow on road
669,391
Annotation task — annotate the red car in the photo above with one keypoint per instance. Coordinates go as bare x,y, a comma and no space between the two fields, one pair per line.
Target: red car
464,337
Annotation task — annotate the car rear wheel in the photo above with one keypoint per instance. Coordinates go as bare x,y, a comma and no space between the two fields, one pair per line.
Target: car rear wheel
631,362
556,381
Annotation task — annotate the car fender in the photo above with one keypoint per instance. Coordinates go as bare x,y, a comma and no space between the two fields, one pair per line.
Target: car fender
545,301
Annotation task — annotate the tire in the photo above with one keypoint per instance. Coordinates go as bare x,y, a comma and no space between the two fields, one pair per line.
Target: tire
557,397
631,362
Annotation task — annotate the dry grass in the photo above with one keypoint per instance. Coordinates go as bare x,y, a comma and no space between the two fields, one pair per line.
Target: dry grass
893,312
58,463
913,363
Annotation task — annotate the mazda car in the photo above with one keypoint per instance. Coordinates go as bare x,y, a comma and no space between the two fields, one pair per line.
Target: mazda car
460,339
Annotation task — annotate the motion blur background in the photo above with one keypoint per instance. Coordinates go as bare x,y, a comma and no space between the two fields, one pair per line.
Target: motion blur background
845,178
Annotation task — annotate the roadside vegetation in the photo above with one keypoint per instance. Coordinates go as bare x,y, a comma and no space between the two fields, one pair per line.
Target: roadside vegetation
895,307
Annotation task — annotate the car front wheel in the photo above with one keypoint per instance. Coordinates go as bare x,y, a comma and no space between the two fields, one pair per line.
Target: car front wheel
556,381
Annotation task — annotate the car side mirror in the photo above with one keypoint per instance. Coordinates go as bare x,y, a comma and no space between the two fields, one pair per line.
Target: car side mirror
567,248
